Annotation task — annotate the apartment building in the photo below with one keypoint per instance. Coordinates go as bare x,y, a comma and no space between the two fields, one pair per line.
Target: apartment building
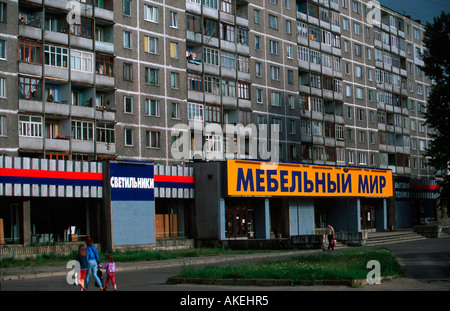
110,80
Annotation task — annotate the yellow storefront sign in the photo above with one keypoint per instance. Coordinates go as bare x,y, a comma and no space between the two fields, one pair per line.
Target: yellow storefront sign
255,178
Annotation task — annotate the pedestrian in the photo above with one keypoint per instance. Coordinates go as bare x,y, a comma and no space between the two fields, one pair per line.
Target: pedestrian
82,259
110,267
93,263
331,236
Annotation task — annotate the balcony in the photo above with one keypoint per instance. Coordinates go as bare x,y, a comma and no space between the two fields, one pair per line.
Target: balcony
60,145
105,13
105,148
57,109
31,143
26,105
30,32
81,146
56,37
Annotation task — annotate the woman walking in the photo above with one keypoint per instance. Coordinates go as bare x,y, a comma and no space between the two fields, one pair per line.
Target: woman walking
93,262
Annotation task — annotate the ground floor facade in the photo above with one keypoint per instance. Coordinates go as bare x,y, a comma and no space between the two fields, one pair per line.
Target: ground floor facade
132,204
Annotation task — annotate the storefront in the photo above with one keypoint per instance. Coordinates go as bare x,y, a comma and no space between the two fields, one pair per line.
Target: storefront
118,204
415,201
46,201
244,199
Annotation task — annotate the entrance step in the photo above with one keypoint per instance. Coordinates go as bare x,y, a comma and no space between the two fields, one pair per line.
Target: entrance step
381,238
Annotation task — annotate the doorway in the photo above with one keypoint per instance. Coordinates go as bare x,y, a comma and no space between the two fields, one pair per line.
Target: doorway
240,219
367,212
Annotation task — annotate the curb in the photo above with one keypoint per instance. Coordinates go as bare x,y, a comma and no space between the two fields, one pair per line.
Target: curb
265,282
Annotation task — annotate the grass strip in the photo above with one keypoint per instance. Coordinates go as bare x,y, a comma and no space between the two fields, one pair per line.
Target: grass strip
123,256
345,265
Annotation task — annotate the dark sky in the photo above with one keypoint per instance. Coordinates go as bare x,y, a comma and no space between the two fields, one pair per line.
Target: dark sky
424,10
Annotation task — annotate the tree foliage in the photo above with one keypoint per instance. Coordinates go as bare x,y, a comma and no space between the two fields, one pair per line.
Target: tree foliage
436,58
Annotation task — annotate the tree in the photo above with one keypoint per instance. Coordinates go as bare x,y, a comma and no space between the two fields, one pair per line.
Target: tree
436,58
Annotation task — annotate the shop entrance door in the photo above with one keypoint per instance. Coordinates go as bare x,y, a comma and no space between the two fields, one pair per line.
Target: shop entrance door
367,216
239,220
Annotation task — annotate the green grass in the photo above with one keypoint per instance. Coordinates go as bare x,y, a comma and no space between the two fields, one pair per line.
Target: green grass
348,265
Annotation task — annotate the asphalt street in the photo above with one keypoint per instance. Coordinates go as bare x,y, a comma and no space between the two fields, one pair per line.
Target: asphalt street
427,264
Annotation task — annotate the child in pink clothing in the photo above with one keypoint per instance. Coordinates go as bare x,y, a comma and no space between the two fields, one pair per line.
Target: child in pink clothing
110,267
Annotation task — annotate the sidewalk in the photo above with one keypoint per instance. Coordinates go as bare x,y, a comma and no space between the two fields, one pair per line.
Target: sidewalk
30,272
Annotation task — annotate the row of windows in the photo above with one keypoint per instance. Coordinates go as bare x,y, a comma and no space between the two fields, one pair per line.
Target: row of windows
55,56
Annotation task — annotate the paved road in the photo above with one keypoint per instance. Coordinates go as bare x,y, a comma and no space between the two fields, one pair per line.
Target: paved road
427,265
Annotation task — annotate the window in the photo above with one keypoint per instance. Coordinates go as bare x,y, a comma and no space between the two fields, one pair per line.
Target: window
274,73
128,104
176,113
356,28
259,96
174,80
105,133
3,126
213,143
81,61
243,63
3,87
357,50
213,114
363,158
104,65
195,82
228,88
227,6
30,52
152,107
127,7
256,17
303,53
212,85
314,33
315,81
173,20
228,60
288,27
242,36
127,39
273,22
173,49
359,93
30,88
30,126
227,32
83,130
128,137
84,29
151,13
151,45
317,128
193,23
339,132
274,47
275,99
127,72
3,12
151,76
243,90
302,30
211,56
153,139
195,111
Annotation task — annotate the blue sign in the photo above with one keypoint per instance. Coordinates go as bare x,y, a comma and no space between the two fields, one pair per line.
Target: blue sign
132,182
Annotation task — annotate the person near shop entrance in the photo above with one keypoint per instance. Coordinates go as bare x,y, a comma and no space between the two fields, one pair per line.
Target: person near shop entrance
82,259
331,237
93,263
